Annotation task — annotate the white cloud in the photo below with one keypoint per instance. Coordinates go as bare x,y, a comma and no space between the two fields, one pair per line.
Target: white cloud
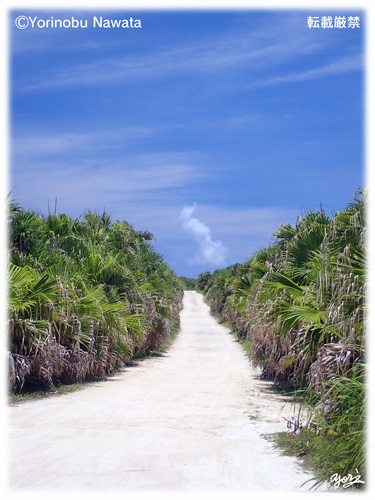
94,181
265,47
345,64
28,143
210,251
96,164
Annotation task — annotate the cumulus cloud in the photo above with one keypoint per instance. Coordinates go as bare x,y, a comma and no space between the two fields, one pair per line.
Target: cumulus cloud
210,251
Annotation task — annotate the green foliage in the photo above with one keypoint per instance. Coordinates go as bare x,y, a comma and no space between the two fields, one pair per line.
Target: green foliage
203,280
326,455
188,283
300,304
84,296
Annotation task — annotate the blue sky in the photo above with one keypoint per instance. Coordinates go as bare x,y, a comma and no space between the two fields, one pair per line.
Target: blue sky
208,128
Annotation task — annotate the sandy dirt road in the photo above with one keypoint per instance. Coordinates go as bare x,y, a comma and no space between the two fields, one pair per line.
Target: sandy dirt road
192,419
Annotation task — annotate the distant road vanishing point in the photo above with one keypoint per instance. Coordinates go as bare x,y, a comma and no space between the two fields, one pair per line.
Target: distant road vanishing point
191,419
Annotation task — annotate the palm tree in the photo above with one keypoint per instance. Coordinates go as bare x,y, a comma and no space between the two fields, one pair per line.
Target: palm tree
85,295
301,305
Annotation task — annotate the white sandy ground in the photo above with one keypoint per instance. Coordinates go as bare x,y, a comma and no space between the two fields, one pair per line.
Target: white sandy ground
190,420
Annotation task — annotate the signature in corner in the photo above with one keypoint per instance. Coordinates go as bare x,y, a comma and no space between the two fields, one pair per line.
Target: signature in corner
346,481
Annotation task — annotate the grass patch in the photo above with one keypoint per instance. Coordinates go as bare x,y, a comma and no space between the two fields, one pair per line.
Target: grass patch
324,456
34,395
246,344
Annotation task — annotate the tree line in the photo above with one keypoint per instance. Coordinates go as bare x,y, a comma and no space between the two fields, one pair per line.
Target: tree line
86,296
300,306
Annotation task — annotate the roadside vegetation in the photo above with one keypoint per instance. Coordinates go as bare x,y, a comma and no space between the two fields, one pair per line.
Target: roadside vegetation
85,297
300,305
188,283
